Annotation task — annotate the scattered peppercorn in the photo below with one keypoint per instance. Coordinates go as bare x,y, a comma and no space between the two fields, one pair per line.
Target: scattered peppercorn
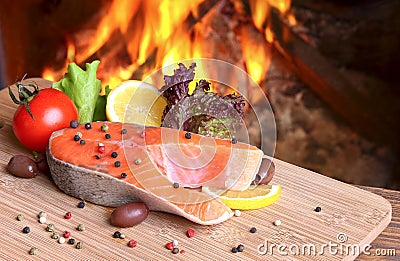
71,241
123,175
277,222
175,250
117,234
20,217
124,131
138,161
79,245
182,251
50,227
97,156
55,235
104,127
122,236
240,248
114,154
76,137
68,215
26,230
82,142
80,227
169,246
188,135
42,214
42,220
66,234
190,233
175,242
117,164
234,140
132,243
107,136
101,149
234,250
253,230
176,185
88,126
237,213
318,209
81,204
61,240
74,124
33,251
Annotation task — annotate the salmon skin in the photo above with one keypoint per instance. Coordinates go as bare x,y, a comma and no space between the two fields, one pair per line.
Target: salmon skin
129,163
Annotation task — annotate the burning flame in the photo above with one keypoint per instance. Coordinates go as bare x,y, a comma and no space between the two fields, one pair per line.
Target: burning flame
133,38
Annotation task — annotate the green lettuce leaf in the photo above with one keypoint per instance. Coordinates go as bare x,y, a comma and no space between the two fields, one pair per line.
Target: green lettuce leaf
82,87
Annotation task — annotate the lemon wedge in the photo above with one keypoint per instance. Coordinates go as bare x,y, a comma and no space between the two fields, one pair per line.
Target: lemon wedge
255,197
135,102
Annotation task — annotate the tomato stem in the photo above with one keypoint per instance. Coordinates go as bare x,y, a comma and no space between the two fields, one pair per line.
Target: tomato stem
24,94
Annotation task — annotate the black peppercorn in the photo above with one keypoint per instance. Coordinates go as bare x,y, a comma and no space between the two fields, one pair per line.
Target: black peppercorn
240,248
74,124
82,142
108,136
117,234
117,164
114,154
123,175
318,209
253,230
188,135
234,250
77,137
234,140
175,250
176,185
88,126
26,230
81,204
124,131
71,241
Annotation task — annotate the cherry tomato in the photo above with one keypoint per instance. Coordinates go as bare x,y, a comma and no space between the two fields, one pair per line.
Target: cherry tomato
52,110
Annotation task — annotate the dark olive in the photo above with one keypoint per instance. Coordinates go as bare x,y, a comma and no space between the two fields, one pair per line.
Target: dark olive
22,166
129,215
265,172
41,162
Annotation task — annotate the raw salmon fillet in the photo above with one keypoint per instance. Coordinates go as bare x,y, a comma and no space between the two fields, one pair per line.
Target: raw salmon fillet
142,164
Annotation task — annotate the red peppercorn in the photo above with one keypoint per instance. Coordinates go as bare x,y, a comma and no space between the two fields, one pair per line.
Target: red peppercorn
182,251
68,215
67,234
132,243
169,246
102,149
190,233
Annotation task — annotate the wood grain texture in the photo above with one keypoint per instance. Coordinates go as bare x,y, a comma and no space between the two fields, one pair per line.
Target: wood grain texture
361,215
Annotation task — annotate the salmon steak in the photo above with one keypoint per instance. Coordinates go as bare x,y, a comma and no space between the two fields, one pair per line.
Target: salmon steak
111,164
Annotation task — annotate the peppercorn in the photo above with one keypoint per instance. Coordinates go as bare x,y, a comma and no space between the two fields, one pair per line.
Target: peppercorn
117,234
66,234
74,124
190,233
114,154
240,248
20,217
175,242
124,131
138,161
123,175
80,227
68,215
132,243
42,214
61,240
55,235
253,230
88,126
50,227
107,136
176,185
79,245
33,251
82,142
182,251
42,220
104,127
277,222
169,246
71,241
117,164
237,213
175,250
234,250
122,236
97,156
188,135
76,137
234,140
102,148
318,209
26,230
81,204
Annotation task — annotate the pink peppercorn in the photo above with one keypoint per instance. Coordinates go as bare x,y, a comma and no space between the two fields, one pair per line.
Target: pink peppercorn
102,149
170,246
182,251
67,234
68,215
190,233
132,243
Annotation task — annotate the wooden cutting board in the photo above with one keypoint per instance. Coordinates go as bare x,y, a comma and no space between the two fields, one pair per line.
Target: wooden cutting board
350,218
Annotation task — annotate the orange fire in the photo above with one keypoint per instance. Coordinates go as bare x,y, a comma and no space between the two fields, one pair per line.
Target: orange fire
134,38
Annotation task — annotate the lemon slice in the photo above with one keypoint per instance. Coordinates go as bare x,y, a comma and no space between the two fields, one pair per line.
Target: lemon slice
257,196
135,102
